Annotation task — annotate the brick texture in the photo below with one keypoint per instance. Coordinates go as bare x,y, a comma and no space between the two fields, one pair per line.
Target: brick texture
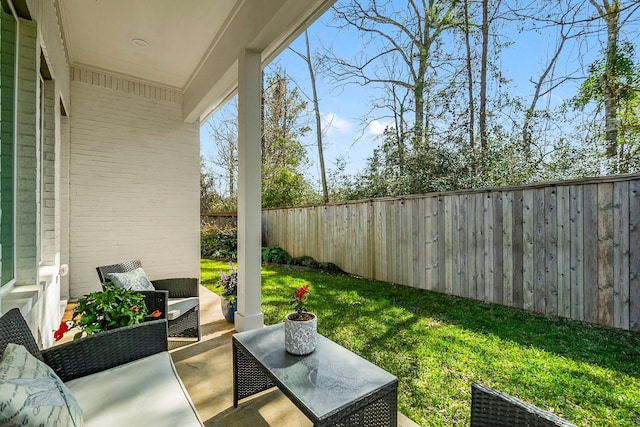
134,170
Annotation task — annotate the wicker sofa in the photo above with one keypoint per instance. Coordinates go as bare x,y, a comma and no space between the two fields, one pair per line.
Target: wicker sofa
493,408
119,377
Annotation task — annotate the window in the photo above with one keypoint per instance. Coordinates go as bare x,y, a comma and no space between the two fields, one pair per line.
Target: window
7,145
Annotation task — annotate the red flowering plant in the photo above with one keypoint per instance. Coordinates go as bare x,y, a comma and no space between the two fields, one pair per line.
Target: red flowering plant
299,301
112,308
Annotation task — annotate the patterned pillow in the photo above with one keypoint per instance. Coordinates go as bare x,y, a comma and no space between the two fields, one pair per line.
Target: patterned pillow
31,394
135,280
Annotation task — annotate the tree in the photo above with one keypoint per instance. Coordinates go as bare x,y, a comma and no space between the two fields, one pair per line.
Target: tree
408,38
207,192
483,78
613,74
224,134
316,109
283,155
466,29
618,78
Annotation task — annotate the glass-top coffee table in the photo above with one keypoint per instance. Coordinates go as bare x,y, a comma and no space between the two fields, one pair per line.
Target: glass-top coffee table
332,386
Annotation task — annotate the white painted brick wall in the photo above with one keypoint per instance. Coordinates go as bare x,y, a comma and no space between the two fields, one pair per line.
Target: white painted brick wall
26,162
49,245
134,180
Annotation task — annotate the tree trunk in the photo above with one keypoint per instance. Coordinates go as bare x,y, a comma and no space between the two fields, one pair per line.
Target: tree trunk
316,109
472,110
483,78
610,96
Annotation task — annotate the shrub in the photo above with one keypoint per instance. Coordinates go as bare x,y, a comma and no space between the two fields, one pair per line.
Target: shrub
305,261
219,242
276,255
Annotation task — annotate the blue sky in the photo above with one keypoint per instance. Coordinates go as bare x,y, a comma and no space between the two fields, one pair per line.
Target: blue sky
348,134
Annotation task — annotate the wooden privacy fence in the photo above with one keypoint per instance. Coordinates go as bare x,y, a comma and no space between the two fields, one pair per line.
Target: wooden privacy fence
569,249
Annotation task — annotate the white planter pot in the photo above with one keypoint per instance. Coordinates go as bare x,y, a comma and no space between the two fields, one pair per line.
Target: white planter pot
300,336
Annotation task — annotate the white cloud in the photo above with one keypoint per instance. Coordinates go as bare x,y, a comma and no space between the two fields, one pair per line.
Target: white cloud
377,127
331,122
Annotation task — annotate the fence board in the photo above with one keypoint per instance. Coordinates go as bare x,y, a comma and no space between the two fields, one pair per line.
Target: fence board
528,269
441,242
621,255
497,248
463,245
590,251
455,244
577,251
487,252
551,250
564,251
403,249
539,251
634,255
433,209
479,253
448,244
472,281
605,254
428,236
518,249
507,248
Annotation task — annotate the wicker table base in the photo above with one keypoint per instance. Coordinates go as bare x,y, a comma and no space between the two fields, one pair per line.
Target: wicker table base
331,386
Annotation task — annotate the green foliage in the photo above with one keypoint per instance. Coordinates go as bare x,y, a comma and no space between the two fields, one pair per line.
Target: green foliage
625,74
284,187
275,254
283,155
622,77
110,309
219,242
207,192
437,345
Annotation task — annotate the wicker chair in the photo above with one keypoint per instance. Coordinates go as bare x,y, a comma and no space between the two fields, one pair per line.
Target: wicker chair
492,408
177,299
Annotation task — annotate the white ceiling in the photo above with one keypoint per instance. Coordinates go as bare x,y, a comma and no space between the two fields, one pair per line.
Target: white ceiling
99,34
193,45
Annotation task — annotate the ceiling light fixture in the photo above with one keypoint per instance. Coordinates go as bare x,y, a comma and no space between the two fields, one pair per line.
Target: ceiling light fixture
140,43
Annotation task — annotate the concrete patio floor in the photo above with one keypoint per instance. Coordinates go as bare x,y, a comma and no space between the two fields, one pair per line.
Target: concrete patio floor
207,372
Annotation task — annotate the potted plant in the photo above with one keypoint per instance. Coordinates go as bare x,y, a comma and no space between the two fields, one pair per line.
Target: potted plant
112,308
300,327
229,297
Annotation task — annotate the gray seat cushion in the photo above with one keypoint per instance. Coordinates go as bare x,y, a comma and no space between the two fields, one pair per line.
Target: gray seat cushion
179,306
144,392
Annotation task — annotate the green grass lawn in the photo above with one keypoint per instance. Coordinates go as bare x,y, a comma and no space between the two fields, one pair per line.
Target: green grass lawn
438,345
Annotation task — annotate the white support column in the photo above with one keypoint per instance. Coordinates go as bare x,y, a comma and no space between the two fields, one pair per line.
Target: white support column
249,314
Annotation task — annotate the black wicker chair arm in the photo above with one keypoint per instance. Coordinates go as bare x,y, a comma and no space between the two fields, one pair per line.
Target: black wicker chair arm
178,287
156,300
493,408
14,329
105,350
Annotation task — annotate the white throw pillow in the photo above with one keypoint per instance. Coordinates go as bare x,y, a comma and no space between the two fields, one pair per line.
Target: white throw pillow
31,394
136,280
